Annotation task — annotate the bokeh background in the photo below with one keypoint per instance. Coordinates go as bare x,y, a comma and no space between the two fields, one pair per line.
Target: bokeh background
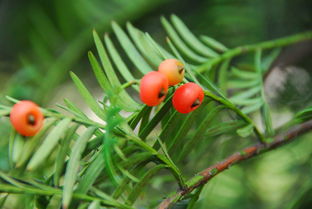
41,41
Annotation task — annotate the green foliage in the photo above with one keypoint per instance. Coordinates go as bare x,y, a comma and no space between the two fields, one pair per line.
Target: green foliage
57,42
75,160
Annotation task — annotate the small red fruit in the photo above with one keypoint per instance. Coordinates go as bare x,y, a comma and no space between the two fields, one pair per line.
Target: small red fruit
153,88
173,69
187,97
26,118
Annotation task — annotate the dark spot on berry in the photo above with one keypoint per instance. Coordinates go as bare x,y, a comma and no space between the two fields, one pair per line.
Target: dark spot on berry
31,120
161,93
181,69
196,103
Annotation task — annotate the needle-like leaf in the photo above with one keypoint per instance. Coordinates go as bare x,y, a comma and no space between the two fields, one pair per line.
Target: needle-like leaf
48,144
73,165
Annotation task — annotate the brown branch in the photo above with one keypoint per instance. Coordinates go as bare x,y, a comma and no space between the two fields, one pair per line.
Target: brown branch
247,153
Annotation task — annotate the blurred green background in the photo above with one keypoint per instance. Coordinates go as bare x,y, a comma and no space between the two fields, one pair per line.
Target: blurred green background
41,41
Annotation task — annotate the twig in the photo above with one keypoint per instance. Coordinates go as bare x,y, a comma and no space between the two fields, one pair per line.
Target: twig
128,84
253,47
247,153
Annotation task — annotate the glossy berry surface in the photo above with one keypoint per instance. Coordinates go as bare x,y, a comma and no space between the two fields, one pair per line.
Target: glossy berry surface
153,88
26,118
173,69
187,97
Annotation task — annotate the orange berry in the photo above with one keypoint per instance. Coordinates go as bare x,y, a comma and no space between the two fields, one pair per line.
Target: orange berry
26,118
173,69
153,88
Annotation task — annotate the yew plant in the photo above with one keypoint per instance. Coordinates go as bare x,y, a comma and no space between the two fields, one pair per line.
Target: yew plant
76,162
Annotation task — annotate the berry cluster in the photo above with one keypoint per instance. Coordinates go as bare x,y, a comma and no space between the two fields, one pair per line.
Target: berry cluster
27,119
154,87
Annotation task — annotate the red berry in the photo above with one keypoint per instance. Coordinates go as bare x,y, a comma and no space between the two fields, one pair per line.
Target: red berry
153,88
173,69
187,97
26,118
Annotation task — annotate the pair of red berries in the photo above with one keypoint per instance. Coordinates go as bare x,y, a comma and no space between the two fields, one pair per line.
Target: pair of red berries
26,118
154,87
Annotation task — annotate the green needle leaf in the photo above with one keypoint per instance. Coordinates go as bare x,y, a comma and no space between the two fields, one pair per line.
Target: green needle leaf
55,202
73,165
265,110
213,43
198,135
4,112
190,38
143,45
88,97
269,59
114,54
245,84
134,164
95,205
247,101
246,94
245,131
60,159
138,116
18,147
91,174
157,48
243,74
136,191
130,50
34,142
252,108
156,119
180,44
122,97
223,76
107,66
48,144
99,74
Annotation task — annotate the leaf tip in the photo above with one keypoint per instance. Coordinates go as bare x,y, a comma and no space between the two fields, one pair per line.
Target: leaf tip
94,32
29,167
163,20
114,24
72,74
174,16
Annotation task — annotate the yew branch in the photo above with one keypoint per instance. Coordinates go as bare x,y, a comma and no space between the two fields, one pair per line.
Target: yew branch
249,152
253,47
